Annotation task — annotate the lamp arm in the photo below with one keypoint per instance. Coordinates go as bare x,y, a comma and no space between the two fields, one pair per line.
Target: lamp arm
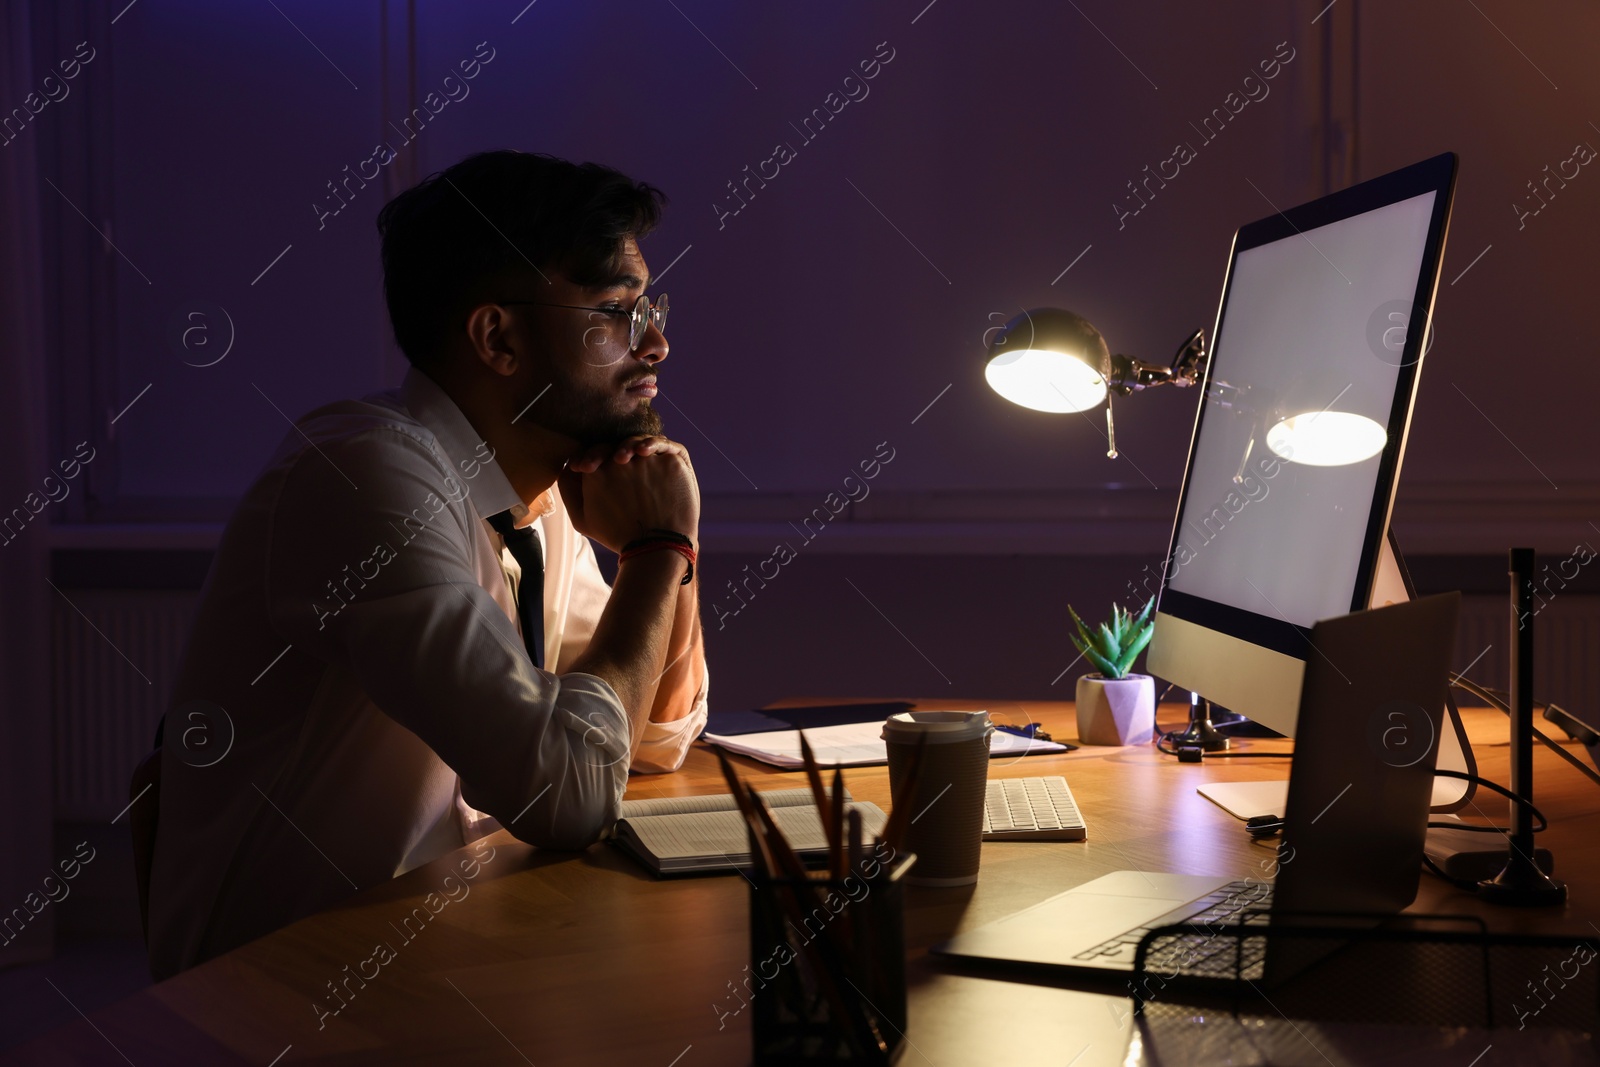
1130,375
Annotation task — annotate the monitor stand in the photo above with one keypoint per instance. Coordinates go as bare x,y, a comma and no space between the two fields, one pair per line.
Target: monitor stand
1392,585
1201,733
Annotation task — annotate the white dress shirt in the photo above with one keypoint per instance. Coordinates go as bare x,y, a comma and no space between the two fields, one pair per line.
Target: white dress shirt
378,708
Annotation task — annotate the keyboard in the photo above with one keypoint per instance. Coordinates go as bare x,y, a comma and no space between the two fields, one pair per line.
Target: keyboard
1032,809
1202,953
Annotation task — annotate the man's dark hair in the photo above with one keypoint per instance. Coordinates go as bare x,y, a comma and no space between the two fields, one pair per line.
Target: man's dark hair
456,239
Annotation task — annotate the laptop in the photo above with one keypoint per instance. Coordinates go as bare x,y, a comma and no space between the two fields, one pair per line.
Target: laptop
1360,784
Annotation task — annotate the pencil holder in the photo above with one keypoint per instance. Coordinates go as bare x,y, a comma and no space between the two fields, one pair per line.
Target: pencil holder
827,959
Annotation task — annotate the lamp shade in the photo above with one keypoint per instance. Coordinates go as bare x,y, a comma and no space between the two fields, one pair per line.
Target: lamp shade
1048,359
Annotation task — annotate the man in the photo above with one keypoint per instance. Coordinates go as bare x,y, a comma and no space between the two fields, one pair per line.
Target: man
405,641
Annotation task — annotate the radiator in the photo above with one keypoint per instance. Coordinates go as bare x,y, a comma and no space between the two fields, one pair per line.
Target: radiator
1566,650
113,659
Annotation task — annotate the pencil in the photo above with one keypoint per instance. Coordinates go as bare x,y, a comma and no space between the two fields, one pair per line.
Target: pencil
855,840
819,796
760,853
836,859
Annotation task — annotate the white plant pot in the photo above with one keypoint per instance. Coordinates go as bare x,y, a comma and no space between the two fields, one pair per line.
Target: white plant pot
1116,711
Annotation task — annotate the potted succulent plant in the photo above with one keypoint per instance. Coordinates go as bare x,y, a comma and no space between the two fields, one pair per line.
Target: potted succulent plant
1115,707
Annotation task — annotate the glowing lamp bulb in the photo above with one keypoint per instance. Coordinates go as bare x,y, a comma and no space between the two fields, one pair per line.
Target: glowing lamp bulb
1045,381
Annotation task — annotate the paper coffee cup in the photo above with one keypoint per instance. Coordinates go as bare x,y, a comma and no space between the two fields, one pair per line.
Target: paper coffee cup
946,831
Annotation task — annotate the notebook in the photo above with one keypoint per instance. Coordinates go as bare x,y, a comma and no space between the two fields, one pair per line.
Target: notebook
690,835
851,745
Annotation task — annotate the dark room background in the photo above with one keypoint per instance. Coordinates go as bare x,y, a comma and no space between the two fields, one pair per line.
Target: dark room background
192,263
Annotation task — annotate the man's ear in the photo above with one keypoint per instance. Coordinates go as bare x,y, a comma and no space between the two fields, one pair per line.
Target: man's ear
489,334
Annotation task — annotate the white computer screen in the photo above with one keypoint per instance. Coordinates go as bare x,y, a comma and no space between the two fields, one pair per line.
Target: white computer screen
1313,325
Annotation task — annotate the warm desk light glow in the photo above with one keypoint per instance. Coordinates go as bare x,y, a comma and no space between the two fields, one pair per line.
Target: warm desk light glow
1327,438
1045,380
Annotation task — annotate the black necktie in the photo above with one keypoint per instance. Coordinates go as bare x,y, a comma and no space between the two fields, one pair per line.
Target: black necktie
524,546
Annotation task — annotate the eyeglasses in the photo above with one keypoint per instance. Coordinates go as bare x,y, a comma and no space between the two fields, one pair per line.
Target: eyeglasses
640,317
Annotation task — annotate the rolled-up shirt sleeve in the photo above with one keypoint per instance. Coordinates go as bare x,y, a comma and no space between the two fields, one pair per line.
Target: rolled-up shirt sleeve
370,568
665,745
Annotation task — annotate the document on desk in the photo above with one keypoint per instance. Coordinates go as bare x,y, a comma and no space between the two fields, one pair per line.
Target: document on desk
856,744
689,835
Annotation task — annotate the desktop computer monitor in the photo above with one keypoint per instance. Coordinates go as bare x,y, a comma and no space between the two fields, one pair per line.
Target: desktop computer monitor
1298,439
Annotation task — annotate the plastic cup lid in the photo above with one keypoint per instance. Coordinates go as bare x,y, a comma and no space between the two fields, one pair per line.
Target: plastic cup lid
940,727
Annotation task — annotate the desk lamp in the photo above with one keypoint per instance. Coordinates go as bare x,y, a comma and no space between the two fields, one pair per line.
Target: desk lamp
1053,360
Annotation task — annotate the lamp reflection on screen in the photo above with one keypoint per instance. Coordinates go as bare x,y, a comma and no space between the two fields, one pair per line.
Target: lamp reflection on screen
1327,438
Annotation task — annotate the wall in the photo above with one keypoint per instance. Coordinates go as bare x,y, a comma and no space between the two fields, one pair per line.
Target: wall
986,169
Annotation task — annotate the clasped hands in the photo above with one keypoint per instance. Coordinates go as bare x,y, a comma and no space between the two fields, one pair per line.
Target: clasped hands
617,492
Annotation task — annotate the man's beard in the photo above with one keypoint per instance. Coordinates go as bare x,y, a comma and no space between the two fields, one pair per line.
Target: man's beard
590,418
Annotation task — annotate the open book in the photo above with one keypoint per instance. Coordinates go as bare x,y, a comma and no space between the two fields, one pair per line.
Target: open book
685,835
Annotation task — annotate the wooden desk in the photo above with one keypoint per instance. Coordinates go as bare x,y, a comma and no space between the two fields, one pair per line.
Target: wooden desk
556,959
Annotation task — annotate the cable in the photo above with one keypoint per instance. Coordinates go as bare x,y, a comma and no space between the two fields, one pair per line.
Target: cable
1484,693
1468,884
1470,828
1165,738
1497,788
1460,883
